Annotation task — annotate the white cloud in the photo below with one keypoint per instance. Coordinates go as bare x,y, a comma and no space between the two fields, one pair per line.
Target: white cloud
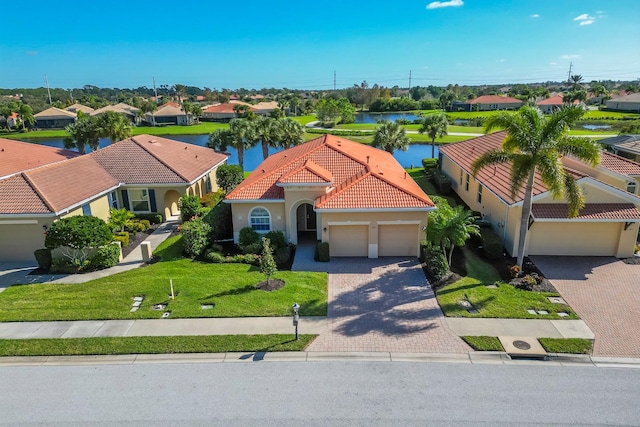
439,4
535,15
581,17
587,22
573,56
500,60
585,19
553,63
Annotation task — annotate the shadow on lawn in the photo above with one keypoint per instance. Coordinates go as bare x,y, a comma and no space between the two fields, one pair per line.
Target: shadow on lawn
238,291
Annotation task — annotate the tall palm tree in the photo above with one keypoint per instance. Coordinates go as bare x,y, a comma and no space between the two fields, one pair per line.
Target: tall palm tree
220,139
114,126
268,131
291,133
535,143
243,137
434,125
390,136
85,131
576,82
25,113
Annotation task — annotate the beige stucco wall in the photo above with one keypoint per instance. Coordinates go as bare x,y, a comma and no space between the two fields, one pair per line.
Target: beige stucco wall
240,213
18,240
624,106
99,208
294,197
610,178
592,194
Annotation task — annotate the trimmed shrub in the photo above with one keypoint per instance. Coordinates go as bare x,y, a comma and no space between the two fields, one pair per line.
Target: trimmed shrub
442,181
254,248
203,211
277,239
248,236
322,252
153,218
64,266
189,206
146,223
424,245
221,221
228,177
429,163
43,257
436,262
105,257
122,237
215,257
282,255
78,232
135,227
195,237
212,199
491,244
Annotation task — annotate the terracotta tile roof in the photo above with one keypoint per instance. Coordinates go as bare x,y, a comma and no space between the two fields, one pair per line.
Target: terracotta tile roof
79,107
55,112
153,159
224,108
361,175
168,104
18,197
18,156
128,107
621,211
554,100
307,173
169,110
497,178
114,108
495,99
619,164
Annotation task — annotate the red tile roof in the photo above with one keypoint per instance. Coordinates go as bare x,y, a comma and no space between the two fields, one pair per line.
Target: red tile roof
594,211
619,164
363,177
308,173
223,108
496,178
18,197
495,99
554,100
18,156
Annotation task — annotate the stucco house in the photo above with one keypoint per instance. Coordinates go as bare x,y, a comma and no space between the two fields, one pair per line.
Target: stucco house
54,118
606,226
223,112
489,103
630,103
355,197
74,108
169,113
144,174
624,145
127,111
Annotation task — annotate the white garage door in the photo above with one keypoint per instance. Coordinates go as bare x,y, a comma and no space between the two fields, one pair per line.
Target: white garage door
349,240
562,238
18,241
398,240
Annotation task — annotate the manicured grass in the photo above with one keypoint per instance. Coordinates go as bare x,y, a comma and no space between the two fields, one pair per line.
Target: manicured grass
567,345
421,179
505,301
483,343
153,345
411,127
60,133
603,115
230,287
303,120
418,138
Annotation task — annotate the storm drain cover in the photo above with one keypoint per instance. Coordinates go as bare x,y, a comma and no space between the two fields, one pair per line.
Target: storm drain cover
521,345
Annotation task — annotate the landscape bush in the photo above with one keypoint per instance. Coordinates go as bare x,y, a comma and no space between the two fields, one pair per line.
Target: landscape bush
218,258
153,218
195,237
436,262
106,256
248,236
122,237
282,255
43,257
78,232
254,248
322,252
212,199
119,218
277,239
221,221
189,206
491,244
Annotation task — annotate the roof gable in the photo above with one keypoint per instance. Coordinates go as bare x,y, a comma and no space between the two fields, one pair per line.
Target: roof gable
309,172
495,99
18,156
55,112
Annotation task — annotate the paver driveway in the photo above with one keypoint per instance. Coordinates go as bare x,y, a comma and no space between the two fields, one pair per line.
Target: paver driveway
605,292
383,305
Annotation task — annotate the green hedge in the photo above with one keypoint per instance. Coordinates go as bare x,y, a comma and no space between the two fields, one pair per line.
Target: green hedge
43,257
122,237
105,257
435,262
322,252
153,218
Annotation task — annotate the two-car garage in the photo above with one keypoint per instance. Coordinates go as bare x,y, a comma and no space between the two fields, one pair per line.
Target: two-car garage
576,239
376,239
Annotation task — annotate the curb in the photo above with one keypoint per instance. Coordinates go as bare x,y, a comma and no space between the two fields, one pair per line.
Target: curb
473,358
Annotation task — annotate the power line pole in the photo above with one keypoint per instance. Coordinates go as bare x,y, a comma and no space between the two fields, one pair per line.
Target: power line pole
155,92
409,80
569,77
48,90
334,80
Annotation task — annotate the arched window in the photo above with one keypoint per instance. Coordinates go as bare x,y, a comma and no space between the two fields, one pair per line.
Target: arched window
260,219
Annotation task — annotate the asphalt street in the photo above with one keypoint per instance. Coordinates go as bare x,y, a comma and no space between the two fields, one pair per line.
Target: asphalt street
318,393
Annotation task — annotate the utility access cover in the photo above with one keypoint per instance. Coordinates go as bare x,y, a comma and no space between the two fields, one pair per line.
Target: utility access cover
528,347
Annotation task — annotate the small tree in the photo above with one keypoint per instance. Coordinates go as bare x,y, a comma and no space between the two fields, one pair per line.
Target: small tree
228,177
189,206
268,266
196,237
118,218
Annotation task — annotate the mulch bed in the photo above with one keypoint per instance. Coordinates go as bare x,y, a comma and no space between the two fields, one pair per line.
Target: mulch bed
272,285
136,239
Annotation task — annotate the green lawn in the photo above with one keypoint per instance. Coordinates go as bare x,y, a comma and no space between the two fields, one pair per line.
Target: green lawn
483,343
603,115
303,120
552,345
230,287
153,345
505,301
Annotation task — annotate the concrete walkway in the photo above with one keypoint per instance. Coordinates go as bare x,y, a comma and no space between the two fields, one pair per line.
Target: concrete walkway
536,328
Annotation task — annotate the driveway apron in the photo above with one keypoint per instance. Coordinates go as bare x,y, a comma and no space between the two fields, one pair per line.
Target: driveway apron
383,304
605,293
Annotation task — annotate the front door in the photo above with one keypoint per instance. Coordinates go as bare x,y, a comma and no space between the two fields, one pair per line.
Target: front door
311,217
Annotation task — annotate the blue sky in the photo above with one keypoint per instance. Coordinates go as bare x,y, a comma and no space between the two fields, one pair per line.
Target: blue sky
257,44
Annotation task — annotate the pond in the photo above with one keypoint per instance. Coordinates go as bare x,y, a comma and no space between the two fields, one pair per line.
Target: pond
392,117
596,127
253,156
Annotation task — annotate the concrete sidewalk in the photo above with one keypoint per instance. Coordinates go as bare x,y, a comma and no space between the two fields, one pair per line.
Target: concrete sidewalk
272,325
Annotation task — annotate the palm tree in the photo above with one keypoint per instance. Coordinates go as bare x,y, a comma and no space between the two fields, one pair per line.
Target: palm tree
576,82
114,126
598,90
243,136
85,131
150,107
269,131
25,113
446,98
452,227
220,139
7,110
434,125
535,143
390,136
291,133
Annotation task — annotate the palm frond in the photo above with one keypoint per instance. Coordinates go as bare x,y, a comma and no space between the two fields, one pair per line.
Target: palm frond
584,149
489,158
557,123
552,172
574,195
520,171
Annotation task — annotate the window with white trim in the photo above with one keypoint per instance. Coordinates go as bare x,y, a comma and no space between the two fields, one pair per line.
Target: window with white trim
113,200
466,185
632,187
139,200
479,193
260,219
86,209
460,176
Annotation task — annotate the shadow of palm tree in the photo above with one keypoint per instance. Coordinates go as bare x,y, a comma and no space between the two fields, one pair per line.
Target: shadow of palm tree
237,291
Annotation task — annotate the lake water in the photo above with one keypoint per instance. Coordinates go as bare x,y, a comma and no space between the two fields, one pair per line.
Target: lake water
392,117
596,127
253,156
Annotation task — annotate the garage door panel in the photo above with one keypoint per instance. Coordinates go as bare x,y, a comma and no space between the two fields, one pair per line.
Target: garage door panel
563,238
18,241
348,240
398,240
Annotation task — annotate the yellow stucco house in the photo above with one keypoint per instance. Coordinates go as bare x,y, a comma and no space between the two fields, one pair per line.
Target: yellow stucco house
144,174
355,197
606,226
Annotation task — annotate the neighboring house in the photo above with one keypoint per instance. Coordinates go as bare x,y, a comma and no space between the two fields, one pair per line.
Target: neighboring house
79,107
143,174
630,103
129,112
488,103
54,118
553,103
355,197
624,145
10,121
265,108
169,113
223,112
606,226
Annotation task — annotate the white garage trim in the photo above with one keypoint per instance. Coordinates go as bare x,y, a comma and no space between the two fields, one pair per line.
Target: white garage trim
399,222
349,222
18,221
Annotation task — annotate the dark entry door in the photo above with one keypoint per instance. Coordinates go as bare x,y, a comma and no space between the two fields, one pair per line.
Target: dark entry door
311,218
